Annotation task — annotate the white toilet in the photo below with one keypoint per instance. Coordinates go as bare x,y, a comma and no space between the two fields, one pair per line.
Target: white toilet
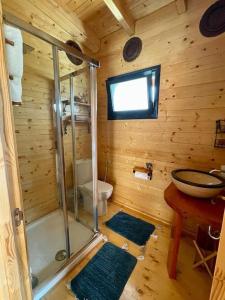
85,186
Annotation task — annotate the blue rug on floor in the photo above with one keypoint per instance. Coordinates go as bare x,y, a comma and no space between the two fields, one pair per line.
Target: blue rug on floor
134,229
105,276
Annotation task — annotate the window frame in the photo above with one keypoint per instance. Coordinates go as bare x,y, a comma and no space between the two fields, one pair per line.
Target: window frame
152,111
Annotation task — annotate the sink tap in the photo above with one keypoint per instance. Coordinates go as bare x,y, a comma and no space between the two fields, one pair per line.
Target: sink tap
221,172
214,170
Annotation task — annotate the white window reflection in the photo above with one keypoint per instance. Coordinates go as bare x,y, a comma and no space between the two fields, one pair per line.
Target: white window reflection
130,95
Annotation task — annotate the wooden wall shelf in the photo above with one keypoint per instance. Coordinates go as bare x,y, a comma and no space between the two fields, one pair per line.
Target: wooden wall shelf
67,102
82,103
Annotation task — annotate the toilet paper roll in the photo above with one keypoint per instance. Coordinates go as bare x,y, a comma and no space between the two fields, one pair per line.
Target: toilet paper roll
141,175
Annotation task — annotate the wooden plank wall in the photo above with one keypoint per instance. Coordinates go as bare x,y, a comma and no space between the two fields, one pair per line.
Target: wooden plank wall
36,146
35,134
192,98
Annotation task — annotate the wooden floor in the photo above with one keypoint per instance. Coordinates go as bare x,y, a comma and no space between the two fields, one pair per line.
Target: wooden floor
149,279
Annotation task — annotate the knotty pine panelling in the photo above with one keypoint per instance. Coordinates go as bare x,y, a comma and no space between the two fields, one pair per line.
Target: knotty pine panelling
35,134
55,20
36,145
192,98
99,18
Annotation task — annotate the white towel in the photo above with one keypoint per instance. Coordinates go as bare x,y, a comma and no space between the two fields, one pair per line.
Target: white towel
15,88
14,61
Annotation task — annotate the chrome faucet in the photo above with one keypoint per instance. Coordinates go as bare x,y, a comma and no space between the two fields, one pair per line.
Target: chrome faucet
221,172
216,170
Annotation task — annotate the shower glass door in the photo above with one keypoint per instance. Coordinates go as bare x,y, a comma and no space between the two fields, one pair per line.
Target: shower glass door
77,150
36,146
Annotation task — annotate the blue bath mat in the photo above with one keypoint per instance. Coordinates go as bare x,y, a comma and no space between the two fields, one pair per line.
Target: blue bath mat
105,276
134,229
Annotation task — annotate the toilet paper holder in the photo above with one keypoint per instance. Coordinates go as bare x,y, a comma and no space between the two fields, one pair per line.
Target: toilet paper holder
146,171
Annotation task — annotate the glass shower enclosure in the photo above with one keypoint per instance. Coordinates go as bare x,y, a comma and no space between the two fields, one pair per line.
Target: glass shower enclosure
59,231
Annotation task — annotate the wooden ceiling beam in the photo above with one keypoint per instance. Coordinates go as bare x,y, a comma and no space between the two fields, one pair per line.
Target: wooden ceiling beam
122,16
181,6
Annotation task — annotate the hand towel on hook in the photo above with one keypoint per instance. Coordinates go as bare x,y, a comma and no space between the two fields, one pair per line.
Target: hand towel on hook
14,61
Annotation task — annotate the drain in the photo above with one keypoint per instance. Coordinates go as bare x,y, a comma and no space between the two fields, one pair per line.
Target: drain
61,255
34,281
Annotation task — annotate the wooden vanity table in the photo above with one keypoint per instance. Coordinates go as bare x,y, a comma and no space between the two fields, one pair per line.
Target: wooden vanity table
204,211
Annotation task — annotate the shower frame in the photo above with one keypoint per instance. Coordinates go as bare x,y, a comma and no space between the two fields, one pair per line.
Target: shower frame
93,64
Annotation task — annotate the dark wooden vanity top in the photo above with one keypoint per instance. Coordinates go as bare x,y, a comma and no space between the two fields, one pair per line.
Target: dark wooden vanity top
204,211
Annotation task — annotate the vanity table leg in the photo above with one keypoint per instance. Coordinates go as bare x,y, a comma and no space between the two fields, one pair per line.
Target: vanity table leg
174,245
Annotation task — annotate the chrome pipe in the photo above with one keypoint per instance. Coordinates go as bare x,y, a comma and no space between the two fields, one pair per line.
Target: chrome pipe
60,148
93,96
214,170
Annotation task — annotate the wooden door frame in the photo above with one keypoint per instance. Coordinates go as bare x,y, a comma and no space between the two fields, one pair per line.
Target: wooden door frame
14,269
218,284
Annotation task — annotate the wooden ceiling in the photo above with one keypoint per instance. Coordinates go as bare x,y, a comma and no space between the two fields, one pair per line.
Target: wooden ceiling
107,16
86,21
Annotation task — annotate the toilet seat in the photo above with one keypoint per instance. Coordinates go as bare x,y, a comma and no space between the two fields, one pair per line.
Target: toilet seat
104,193
103,187
84,181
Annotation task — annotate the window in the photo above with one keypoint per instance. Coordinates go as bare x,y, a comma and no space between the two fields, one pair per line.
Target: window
134,95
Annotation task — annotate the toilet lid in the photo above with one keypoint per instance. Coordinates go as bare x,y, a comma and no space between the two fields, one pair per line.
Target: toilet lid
103,187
